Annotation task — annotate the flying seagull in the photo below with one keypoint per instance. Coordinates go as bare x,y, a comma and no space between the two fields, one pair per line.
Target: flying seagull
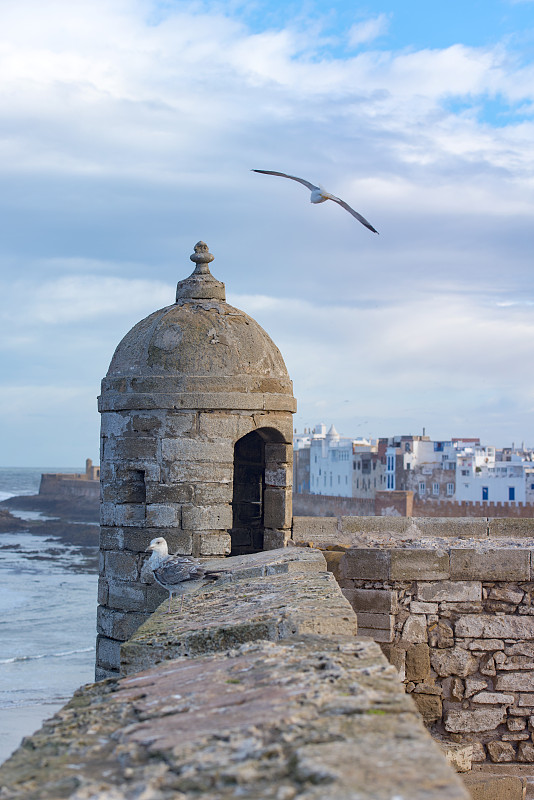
319,195
178,574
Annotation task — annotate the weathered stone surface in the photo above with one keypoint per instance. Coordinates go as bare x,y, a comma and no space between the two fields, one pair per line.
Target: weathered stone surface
473,685
377,601
414,629
418,663
242,610
514,682
511,528
450,591
366,563
489,627
375,524
289,732
418,607
492,565
459,756
454,661
429,706
418,564
484,786
500,752
493,698
382,621
473,721
486,644
525,752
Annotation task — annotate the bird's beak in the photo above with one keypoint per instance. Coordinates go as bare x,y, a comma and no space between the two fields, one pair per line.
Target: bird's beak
149,548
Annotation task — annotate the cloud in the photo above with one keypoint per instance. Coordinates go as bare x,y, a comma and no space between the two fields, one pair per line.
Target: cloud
367,31
128,133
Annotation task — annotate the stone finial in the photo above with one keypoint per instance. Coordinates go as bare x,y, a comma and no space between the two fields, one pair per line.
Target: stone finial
202,257
201,285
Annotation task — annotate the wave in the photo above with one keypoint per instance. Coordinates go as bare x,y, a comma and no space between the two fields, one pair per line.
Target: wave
45,655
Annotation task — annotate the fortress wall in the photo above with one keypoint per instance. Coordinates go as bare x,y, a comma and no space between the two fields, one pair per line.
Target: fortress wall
61,487
311,505
259,689
457,621
450,508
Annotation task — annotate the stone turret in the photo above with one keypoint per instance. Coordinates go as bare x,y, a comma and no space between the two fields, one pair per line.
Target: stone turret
196,446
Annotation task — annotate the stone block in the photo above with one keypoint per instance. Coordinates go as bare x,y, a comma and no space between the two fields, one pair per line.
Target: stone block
215,544
128,448
494,698
501,752
418,564
526,699
111,538
366,563
200,472
205,518
414,630
273,540
374,524
127,596
179,422
459,756
473,721
458,527
382,621
375,601
163,515
208,494
525,752
429,706
103,591
169,493
219,452
122,565
396,657
322,531
278,452
277,504
486,644
117,624
107,653
122,515
377,634
418,663
418,607
333,563
276,476
508,594
515,682
493,565
484,786
114,423
486,626
453,661
450,591
509,528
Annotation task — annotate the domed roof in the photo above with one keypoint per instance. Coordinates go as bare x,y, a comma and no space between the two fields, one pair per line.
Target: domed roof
199,344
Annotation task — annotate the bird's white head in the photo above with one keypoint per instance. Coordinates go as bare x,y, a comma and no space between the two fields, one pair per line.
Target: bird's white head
158,546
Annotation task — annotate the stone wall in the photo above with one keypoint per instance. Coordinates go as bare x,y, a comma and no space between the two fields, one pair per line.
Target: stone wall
67,487
258,690
315,505
452,606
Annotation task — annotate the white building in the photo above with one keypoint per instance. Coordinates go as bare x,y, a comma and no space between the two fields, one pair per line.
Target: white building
480,478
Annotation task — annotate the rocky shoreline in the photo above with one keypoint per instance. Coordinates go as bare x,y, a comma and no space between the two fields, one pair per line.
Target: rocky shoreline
72,524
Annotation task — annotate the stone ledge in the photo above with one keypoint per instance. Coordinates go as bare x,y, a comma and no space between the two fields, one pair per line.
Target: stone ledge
310,717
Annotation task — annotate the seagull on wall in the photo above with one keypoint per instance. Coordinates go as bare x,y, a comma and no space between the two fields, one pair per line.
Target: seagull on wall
178,574
319,195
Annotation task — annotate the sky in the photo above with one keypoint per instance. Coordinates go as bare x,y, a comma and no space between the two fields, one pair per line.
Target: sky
128,131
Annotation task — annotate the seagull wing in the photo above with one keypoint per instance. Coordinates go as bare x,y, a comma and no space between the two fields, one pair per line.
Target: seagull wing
308,185
352,211
174,571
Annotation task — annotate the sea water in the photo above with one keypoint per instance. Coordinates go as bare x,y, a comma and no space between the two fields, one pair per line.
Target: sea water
47,620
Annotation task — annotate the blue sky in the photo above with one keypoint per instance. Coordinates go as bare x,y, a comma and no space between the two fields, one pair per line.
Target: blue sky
128,130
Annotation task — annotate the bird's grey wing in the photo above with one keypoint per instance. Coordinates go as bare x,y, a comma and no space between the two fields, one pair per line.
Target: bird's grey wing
175,571
353,212
309,185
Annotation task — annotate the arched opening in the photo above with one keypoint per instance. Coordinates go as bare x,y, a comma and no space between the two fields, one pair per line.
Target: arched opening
260,490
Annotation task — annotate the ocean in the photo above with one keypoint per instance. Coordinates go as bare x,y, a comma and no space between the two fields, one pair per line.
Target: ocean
47,619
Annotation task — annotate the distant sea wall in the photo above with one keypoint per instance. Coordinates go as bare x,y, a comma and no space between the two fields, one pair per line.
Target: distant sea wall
63,487
318,505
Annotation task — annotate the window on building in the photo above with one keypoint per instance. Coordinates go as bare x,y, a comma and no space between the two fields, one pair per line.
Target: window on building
357,483
422,487
391,481
485,493
465,472
450,489
435,488
338,479
511,493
